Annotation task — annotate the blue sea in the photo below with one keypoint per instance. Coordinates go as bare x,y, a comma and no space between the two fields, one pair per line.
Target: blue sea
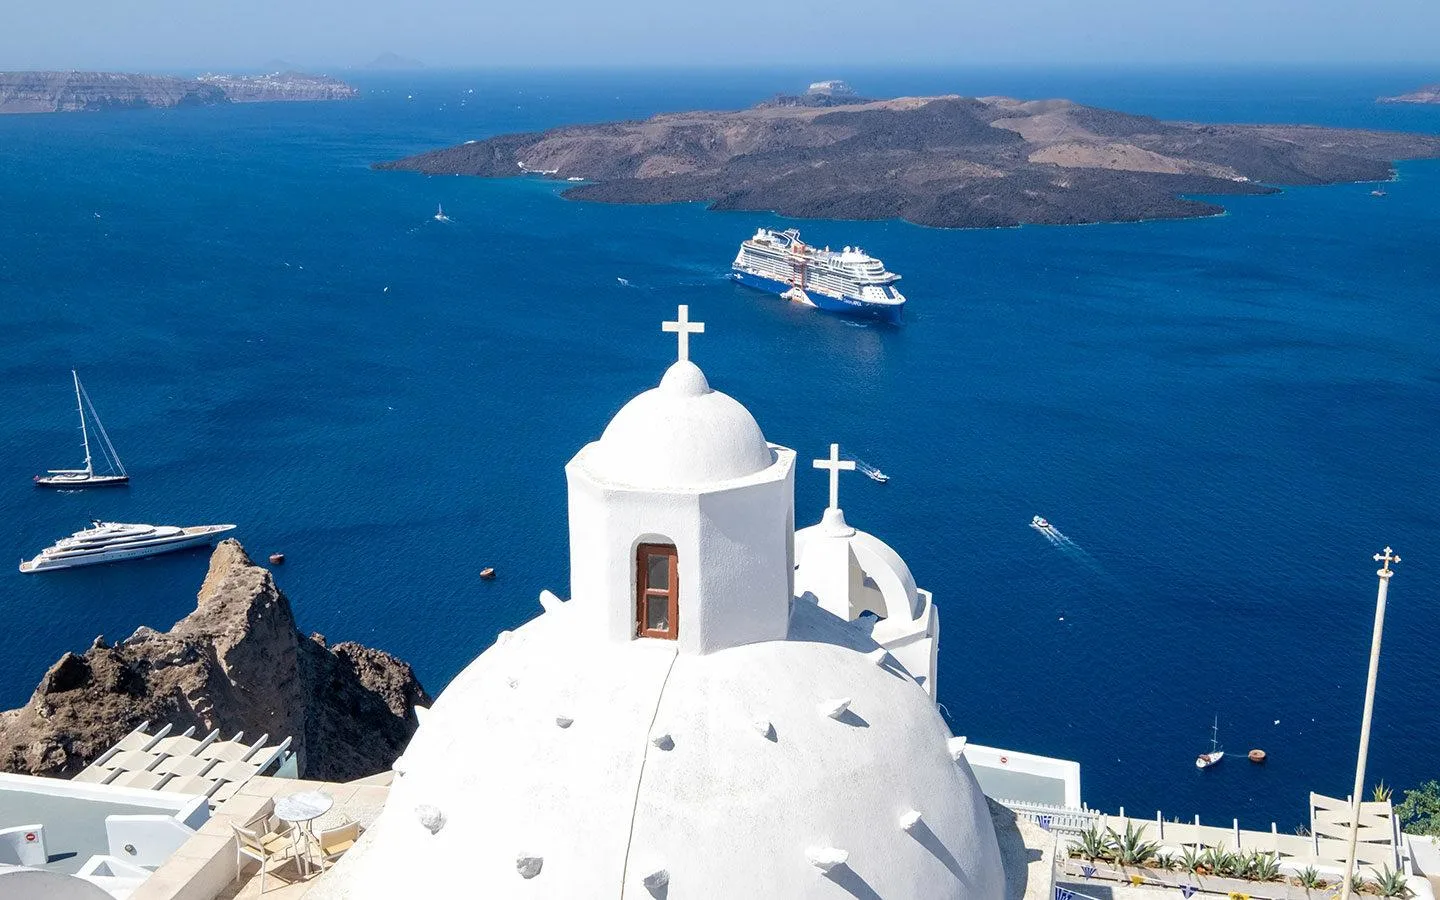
1225,417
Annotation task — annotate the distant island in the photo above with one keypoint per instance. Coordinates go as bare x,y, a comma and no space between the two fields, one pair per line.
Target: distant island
1430,93
42,92
940,161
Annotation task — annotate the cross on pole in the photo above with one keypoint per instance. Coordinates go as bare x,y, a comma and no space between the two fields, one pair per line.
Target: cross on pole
683,328
835,464
1386,559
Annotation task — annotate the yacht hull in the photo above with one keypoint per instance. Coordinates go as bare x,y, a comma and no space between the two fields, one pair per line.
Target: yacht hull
848,306
196,536
60,481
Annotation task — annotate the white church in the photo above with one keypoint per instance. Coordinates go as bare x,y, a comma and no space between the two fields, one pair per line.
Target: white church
725,707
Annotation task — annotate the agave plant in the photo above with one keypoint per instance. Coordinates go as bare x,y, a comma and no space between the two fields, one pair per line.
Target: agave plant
1309,877
1229,865
1094,844
1264,866
1191,858
1131,848
1358,883
1380,792
1392,884
1165,861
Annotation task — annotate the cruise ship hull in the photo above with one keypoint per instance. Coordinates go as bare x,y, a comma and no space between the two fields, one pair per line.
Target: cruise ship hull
850,306
190,537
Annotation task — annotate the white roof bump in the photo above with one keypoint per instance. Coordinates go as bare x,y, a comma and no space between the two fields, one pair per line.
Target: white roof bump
764,728
431,817
956,746
663,741
656,879
834,708
909,820
528,866
877,656
564,721
826,858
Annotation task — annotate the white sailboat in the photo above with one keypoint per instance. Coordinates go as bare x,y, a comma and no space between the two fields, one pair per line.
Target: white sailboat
1206,760
440,213
87,477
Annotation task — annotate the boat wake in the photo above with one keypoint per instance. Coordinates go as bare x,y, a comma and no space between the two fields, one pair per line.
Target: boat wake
624,282
871,472
1065,545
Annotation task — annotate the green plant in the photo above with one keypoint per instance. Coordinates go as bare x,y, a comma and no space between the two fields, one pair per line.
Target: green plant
1309,877
1392,884
1380,792
1419,811
1358,883
1093,844
1264,867
1165,861
1191,858
1131,848
1220,862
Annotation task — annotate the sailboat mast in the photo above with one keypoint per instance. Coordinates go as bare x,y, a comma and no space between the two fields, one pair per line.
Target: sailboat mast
84,434
1215,735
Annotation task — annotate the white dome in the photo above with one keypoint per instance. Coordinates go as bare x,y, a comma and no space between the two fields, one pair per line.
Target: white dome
680,434
555,766
887,573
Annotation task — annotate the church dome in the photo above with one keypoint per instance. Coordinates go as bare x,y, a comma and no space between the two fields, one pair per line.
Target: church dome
680,434
887,577
556,766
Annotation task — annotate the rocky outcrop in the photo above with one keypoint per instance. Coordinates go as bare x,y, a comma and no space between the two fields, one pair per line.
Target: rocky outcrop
236,663
1428,94
939,161
34,92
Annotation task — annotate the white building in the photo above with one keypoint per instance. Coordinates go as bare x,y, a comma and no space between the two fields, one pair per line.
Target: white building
685,725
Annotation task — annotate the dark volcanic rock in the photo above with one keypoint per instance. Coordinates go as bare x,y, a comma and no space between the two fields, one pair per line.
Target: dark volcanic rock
942,161
237,663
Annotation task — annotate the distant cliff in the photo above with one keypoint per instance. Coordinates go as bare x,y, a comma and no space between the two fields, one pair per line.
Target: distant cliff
1428,94
37,92
939,161
236,663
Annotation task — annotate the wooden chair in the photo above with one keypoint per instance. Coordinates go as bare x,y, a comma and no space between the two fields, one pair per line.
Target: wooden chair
332,843
271,849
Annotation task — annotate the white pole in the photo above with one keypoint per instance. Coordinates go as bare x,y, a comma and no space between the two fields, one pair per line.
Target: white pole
1384,572
84,434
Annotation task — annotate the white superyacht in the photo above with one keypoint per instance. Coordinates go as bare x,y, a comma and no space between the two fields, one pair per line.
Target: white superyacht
105,542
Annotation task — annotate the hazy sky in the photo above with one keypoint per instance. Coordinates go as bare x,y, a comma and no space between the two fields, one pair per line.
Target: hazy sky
184,34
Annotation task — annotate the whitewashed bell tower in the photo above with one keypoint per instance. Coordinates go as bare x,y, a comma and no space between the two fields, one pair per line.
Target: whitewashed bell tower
682,519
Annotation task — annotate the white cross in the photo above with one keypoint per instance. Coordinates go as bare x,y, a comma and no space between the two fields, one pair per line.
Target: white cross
1388,558
683,328
835,464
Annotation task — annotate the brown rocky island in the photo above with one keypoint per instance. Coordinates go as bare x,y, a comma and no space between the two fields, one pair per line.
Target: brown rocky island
236,663
940,161
45,92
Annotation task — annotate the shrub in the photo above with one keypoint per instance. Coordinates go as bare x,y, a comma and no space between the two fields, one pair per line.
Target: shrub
1419,811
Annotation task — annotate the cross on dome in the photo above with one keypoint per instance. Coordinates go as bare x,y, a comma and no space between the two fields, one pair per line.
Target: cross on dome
835,464
683,328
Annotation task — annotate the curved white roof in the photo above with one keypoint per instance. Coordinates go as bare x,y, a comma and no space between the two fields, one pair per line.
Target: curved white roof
681,434
879,561
555,766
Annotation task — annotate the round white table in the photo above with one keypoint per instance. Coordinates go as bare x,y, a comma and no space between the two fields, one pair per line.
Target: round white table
300,809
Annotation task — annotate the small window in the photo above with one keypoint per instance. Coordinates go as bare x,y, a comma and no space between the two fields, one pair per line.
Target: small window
657,591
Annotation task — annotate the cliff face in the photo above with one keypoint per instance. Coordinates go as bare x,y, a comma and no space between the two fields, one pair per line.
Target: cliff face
32,92
939,161
236,663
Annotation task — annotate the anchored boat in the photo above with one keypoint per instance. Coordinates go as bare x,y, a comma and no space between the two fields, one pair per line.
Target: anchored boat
1217,753
105,542
87,477
850,281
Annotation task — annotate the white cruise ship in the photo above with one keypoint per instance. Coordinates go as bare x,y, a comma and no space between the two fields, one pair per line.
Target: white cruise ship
849,281
105,542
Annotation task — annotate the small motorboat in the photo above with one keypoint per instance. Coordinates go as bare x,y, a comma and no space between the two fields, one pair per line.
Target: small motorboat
1217,753
1040,523
1377,193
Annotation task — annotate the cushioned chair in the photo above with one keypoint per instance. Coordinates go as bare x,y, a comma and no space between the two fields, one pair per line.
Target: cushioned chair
271,849
332,843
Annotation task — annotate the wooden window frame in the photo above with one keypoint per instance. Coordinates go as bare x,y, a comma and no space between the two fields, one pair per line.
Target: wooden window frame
645,595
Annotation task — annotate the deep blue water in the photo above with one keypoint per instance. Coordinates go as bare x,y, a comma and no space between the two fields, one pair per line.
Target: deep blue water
1227,416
